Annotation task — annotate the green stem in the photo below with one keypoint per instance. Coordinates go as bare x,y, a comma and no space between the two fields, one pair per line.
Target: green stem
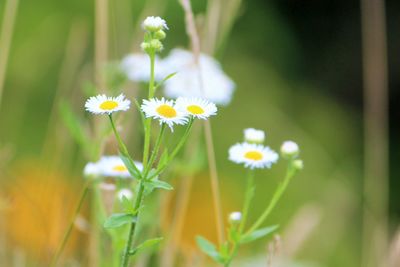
233,253
176,150
147,129
246,206
131,235
155,150
275,198
123,149
248,196
71,225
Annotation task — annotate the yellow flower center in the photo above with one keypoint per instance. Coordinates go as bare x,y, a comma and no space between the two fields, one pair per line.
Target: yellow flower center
195,109
119,168
166,111
253,155
108,105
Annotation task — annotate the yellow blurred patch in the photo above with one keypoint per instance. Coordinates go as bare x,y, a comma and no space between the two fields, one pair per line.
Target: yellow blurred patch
41,203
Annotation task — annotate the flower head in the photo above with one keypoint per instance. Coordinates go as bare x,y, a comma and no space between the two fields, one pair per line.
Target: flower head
205,80
102,104
154,24
196,107
113,166
289,149
253,155
252,135
164,110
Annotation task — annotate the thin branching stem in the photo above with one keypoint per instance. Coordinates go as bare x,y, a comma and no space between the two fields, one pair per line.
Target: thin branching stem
131,235
155,150
147,129
70,225
123,150
275,198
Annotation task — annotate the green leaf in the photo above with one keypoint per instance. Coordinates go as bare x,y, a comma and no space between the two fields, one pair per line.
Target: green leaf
258,234
165,79
73,123
209,248
160,184
146,244
130,165
119,219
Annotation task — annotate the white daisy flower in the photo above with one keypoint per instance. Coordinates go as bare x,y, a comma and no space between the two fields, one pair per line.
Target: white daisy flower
197,107
125,193
113,166
154,24
165,111
137,67
253,155
92,169
289,149
252,135
103,104
212,83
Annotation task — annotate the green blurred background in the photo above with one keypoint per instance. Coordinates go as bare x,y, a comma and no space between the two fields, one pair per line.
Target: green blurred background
298,70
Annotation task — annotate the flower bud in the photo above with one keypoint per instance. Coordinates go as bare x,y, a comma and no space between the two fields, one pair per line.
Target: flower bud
254,136
298,164
125,193
154,24
235,217
160,35
289,149
156,45
145,47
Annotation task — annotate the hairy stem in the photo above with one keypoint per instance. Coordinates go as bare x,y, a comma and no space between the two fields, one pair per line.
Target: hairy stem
147,129
131,235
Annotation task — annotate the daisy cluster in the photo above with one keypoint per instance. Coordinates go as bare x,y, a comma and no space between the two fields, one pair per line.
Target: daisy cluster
252,153
166,111
204,79
178,111
109,166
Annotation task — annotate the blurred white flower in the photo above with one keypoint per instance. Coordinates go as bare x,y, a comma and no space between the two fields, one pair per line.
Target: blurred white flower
113,166
102,104
289,149
253,155
212,83
163,110
252,135
235,217
92,169
154,24
137,67
196,107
